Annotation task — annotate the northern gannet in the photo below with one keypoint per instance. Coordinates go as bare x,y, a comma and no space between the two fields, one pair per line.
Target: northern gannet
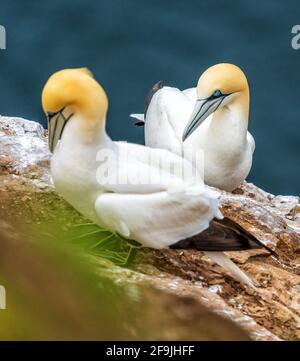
212,117
159,211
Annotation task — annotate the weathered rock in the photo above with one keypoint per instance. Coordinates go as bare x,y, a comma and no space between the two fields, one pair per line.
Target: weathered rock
24,151
185,279
286,206
263,221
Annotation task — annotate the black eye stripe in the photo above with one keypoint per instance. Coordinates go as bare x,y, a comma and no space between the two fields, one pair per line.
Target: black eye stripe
216,94
50,115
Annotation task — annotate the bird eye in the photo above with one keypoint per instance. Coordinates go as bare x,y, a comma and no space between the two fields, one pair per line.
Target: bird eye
217,93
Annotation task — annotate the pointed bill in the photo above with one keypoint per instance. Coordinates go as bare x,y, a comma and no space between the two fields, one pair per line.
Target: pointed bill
56,126
203,108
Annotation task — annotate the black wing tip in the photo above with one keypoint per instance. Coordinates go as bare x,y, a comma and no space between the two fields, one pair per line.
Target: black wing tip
220,237
140,123
158,85
211,246
155,88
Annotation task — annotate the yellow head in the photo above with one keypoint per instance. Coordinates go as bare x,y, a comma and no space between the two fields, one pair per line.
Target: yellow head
77,89
226,78
73,92
222,86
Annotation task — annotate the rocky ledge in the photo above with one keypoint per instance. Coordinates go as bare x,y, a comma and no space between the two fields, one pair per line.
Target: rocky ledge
193,291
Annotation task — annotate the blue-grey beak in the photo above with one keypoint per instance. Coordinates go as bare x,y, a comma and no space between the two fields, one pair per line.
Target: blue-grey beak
56,125
203,108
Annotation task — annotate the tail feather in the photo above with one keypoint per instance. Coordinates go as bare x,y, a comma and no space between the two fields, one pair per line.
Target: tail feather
139,117
222,260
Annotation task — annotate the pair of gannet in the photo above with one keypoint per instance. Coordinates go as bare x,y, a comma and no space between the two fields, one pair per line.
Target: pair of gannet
213,118
158,213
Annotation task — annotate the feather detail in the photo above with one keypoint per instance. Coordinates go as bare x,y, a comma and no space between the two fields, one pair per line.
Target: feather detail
225,262
139,117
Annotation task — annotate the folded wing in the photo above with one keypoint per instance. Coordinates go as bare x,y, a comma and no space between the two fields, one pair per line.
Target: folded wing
157,219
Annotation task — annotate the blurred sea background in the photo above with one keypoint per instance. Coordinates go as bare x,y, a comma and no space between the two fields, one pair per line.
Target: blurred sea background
131,44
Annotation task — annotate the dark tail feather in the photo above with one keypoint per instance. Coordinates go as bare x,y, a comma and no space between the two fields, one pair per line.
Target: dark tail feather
221,236
149,96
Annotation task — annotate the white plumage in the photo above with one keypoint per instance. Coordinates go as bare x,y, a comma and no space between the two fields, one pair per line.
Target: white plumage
115,184
154,214
222,136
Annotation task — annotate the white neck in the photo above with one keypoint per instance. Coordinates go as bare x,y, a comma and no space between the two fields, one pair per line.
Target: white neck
228,128
78,133
227,132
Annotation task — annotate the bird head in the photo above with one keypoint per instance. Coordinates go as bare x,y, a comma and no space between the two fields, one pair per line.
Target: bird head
218,87
69,93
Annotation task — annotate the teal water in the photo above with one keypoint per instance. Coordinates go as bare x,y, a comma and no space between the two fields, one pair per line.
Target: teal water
131,44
